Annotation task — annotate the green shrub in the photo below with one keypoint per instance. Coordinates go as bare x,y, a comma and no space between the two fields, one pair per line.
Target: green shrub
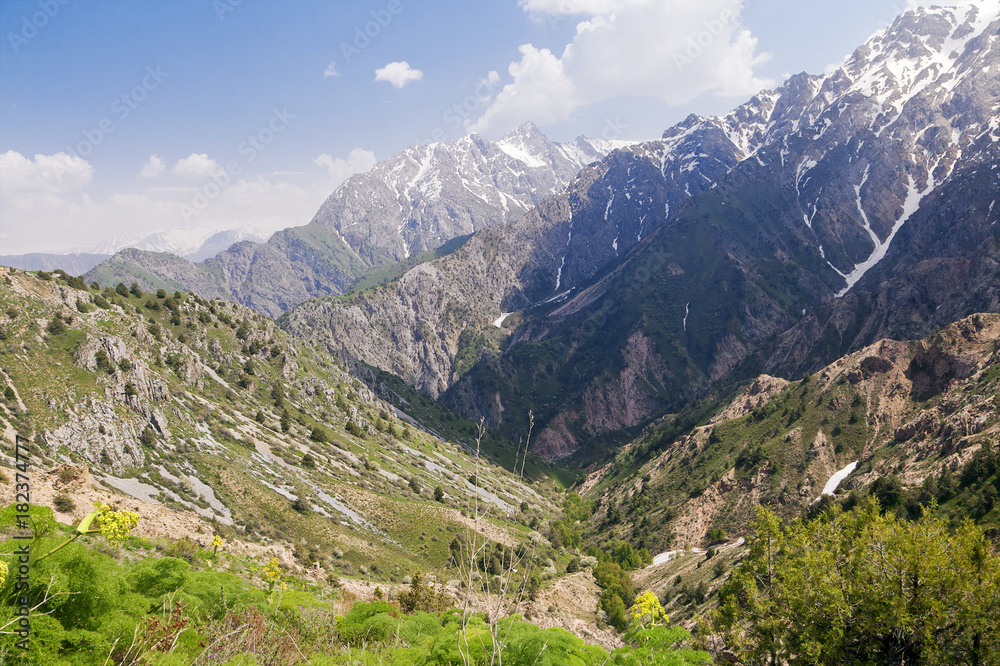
355,628
148,436
63,503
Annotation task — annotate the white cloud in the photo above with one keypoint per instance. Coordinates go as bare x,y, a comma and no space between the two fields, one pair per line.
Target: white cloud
153,168
197,165
668,50
340,169
43,175
914,4
398,74
331,70
42,214
541,8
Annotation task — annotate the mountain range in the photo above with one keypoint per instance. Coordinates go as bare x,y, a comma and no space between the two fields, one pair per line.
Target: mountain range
191,244
805,224
413,202
525,377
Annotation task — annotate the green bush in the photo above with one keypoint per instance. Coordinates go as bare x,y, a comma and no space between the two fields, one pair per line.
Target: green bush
355,628
63,503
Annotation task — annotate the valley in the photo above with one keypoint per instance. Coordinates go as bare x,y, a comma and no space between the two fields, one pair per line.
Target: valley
730,395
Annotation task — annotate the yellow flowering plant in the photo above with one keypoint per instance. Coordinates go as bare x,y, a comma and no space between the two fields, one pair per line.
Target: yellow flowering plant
114,526
647,611
272,575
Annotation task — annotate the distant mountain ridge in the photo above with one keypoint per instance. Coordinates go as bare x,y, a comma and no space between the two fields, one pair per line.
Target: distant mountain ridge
74,263
190,244
416,200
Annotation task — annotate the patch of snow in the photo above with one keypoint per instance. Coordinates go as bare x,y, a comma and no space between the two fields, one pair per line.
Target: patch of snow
499,322
801,170
556,297
134,488
913,197
686,310
834,482
207,494
342,508
519,152
663,558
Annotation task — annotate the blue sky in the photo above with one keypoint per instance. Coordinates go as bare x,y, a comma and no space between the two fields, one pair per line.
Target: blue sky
116,115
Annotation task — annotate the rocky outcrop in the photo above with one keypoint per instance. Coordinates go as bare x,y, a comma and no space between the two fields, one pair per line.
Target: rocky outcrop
943,360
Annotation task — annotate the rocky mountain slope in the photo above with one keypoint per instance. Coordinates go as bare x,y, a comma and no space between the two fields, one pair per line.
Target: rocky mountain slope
413,202
764,239
427,194
206,418
432,323
893,413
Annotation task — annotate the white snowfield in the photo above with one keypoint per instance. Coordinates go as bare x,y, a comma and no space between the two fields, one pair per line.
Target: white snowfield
666,556
834,482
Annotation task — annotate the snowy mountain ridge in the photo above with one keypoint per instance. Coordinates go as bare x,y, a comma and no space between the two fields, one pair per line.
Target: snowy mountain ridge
428,193
804,224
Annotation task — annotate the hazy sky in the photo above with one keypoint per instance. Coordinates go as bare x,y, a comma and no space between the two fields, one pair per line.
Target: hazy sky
123,116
